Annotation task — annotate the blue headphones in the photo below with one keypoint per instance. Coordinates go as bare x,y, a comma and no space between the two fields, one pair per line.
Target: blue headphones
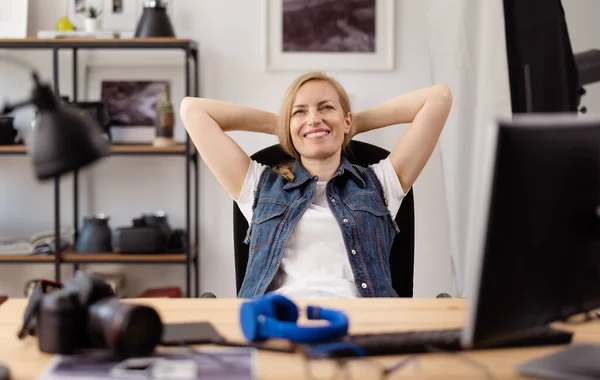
275,316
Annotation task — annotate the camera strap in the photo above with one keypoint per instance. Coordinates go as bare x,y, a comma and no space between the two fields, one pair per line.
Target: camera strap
31,311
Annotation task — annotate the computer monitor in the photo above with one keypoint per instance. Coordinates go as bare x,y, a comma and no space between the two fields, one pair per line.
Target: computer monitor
535,229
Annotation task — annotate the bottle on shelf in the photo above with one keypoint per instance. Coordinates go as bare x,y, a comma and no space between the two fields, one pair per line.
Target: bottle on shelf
165,120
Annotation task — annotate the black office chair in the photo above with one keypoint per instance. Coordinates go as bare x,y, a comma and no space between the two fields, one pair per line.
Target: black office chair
362,154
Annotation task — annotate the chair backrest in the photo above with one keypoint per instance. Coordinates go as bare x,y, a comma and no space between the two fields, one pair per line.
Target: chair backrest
362,154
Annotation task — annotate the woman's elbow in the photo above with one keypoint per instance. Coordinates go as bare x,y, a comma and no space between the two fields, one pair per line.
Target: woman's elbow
187,107
443,92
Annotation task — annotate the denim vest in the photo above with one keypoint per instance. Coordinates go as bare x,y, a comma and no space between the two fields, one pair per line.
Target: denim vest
355,196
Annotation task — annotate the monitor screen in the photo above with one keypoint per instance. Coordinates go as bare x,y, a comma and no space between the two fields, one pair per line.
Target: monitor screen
535,228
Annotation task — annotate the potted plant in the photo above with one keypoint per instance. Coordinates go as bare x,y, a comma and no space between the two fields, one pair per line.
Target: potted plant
92,19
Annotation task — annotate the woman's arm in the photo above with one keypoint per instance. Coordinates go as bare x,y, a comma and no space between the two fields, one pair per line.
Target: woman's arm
427,110
207,120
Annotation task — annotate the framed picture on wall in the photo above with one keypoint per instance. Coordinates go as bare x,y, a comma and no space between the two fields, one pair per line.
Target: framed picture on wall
329,35
132,103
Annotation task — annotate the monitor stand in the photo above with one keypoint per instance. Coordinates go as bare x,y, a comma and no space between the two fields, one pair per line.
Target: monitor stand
575,362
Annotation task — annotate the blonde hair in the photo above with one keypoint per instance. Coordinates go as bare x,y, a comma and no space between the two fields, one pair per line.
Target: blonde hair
285,115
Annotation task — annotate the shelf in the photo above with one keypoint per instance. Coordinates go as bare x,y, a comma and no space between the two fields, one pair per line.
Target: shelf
26,259
189,48
98,258
97,43
116,149
122,258
13,149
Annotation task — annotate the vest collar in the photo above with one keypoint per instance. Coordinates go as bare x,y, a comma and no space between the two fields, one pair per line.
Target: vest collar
301,175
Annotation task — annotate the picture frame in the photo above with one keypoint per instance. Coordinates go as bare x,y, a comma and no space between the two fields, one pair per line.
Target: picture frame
13,18
380,39
96,75
132,103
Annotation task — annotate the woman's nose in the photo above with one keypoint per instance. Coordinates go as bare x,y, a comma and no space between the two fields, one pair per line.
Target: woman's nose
314,118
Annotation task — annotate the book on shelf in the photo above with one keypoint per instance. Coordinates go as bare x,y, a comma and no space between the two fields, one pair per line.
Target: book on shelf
39,243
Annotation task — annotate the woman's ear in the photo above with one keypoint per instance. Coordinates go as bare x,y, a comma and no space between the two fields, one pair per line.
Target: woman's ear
349,119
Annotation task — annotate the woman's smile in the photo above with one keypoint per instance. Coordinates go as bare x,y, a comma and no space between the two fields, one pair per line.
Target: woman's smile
317,133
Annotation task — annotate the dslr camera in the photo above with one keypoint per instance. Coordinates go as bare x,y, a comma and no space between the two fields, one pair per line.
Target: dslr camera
84,313
149,233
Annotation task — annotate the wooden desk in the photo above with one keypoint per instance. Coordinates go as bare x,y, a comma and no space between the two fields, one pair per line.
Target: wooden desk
366,315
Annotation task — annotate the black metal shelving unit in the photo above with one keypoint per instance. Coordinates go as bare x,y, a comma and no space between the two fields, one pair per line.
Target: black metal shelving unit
191,67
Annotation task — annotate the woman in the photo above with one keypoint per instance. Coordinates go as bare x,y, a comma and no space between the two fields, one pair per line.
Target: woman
319,227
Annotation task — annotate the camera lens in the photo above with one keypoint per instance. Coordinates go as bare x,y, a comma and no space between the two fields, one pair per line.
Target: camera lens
60,323
129,330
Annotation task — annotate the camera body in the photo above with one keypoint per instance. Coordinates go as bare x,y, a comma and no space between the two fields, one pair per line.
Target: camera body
85,314
149,233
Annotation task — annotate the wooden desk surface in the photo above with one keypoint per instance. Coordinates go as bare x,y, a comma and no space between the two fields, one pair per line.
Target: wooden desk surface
366,315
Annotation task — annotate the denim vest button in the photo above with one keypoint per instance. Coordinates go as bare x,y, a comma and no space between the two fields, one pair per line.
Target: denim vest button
364,285
345,220
332,200
353,252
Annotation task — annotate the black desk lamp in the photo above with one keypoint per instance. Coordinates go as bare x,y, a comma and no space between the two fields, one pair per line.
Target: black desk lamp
64,139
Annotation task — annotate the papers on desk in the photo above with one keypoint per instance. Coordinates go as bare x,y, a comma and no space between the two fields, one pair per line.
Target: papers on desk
223,364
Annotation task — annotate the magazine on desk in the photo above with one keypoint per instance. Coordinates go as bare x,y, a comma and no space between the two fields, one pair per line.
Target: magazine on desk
214,363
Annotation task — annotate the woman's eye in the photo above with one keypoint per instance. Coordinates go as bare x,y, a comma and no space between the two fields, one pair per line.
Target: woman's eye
328,107
296,112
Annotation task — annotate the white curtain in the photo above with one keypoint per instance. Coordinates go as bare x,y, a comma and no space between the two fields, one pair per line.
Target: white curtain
467,52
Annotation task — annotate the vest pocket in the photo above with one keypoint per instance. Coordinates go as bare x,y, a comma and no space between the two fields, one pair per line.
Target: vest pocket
266,211
373,204
263,212
369,202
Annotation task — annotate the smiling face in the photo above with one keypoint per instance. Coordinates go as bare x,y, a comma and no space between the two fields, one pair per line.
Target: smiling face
318,123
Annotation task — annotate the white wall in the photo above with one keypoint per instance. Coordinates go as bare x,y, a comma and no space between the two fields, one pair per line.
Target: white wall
584,32
229,34
468,52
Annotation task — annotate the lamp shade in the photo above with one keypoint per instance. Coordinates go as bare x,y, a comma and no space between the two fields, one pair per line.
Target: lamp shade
65,139
154,21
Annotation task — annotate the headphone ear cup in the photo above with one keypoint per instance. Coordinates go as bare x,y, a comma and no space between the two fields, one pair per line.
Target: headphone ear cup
285,309
261,317
252,313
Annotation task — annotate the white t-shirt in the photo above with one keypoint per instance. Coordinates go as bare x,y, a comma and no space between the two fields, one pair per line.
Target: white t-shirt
315,262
